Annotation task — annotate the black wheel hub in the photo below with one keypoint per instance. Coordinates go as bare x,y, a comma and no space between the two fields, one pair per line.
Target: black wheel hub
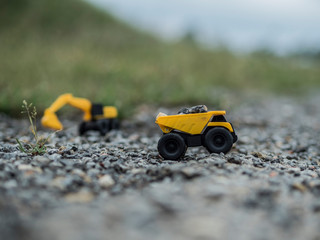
171,146
219,140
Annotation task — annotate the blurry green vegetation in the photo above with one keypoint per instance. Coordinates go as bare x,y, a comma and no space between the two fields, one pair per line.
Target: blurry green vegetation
53,47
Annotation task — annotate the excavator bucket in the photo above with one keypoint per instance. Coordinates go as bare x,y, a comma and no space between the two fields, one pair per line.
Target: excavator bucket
50,120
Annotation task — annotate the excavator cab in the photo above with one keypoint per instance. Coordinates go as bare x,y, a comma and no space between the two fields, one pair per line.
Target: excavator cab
96,116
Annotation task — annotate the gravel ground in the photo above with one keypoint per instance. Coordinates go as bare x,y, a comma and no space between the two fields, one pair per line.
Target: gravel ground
118,187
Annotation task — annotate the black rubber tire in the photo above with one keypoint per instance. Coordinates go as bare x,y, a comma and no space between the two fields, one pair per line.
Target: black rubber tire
172,146
114,124
103,126
82,128
218,140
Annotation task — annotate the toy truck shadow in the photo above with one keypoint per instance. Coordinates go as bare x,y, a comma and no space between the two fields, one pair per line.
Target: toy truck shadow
208,129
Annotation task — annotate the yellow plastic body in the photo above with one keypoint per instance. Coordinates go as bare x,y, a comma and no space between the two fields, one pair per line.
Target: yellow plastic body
50,119
190,123
110,112
221,124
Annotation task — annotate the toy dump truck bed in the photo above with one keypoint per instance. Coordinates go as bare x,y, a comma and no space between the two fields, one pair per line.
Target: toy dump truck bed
188,123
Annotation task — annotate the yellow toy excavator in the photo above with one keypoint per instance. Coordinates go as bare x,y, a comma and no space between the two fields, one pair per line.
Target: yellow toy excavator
96,117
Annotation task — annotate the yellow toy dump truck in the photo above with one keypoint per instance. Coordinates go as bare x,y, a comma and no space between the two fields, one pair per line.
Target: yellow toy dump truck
96,116
195,127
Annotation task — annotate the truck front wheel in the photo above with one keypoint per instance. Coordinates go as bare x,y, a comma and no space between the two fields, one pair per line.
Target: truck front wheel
172,146
218,140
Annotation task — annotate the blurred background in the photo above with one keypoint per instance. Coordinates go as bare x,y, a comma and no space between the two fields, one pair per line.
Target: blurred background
163,53
241,25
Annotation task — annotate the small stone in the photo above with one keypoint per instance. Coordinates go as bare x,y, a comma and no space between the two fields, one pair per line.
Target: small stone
247,172
285,147
153,161
301,149
314,184
106,181
242,150
244,140
79,172
190,172
299,186
79,197
52,151
29,168
219,162
207,160
310,173
93,138
56,164
55,156
41,159
235,160
138,170
294,171
58,182
258,163
273,174
316,207
10,184
215,192
259,155
93,172
91,165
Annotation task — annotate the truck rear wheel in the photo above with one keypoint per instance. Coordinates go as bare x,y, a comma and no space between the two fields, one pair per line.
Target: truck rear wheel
103,126
172,146
218,140
114,124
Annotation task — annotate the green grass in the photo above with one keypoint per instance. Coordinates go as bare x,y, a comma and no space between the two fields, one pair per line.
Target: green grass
53,47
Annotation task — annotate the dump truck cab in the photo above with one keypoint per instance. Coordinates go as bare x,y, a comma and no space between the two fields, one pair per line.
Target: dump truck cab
209,129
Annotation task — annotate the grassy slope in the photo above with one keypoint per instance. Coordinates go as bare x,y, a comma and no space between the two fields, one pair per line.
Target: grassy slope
52,47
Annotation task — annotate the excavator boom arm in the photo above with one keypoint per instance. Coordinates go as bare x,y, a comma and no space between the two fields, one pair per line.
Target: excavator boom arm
50,119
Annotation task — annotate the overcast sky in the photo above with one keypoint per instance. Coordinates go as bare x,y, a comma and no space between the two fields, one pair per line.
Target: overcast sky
281,25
